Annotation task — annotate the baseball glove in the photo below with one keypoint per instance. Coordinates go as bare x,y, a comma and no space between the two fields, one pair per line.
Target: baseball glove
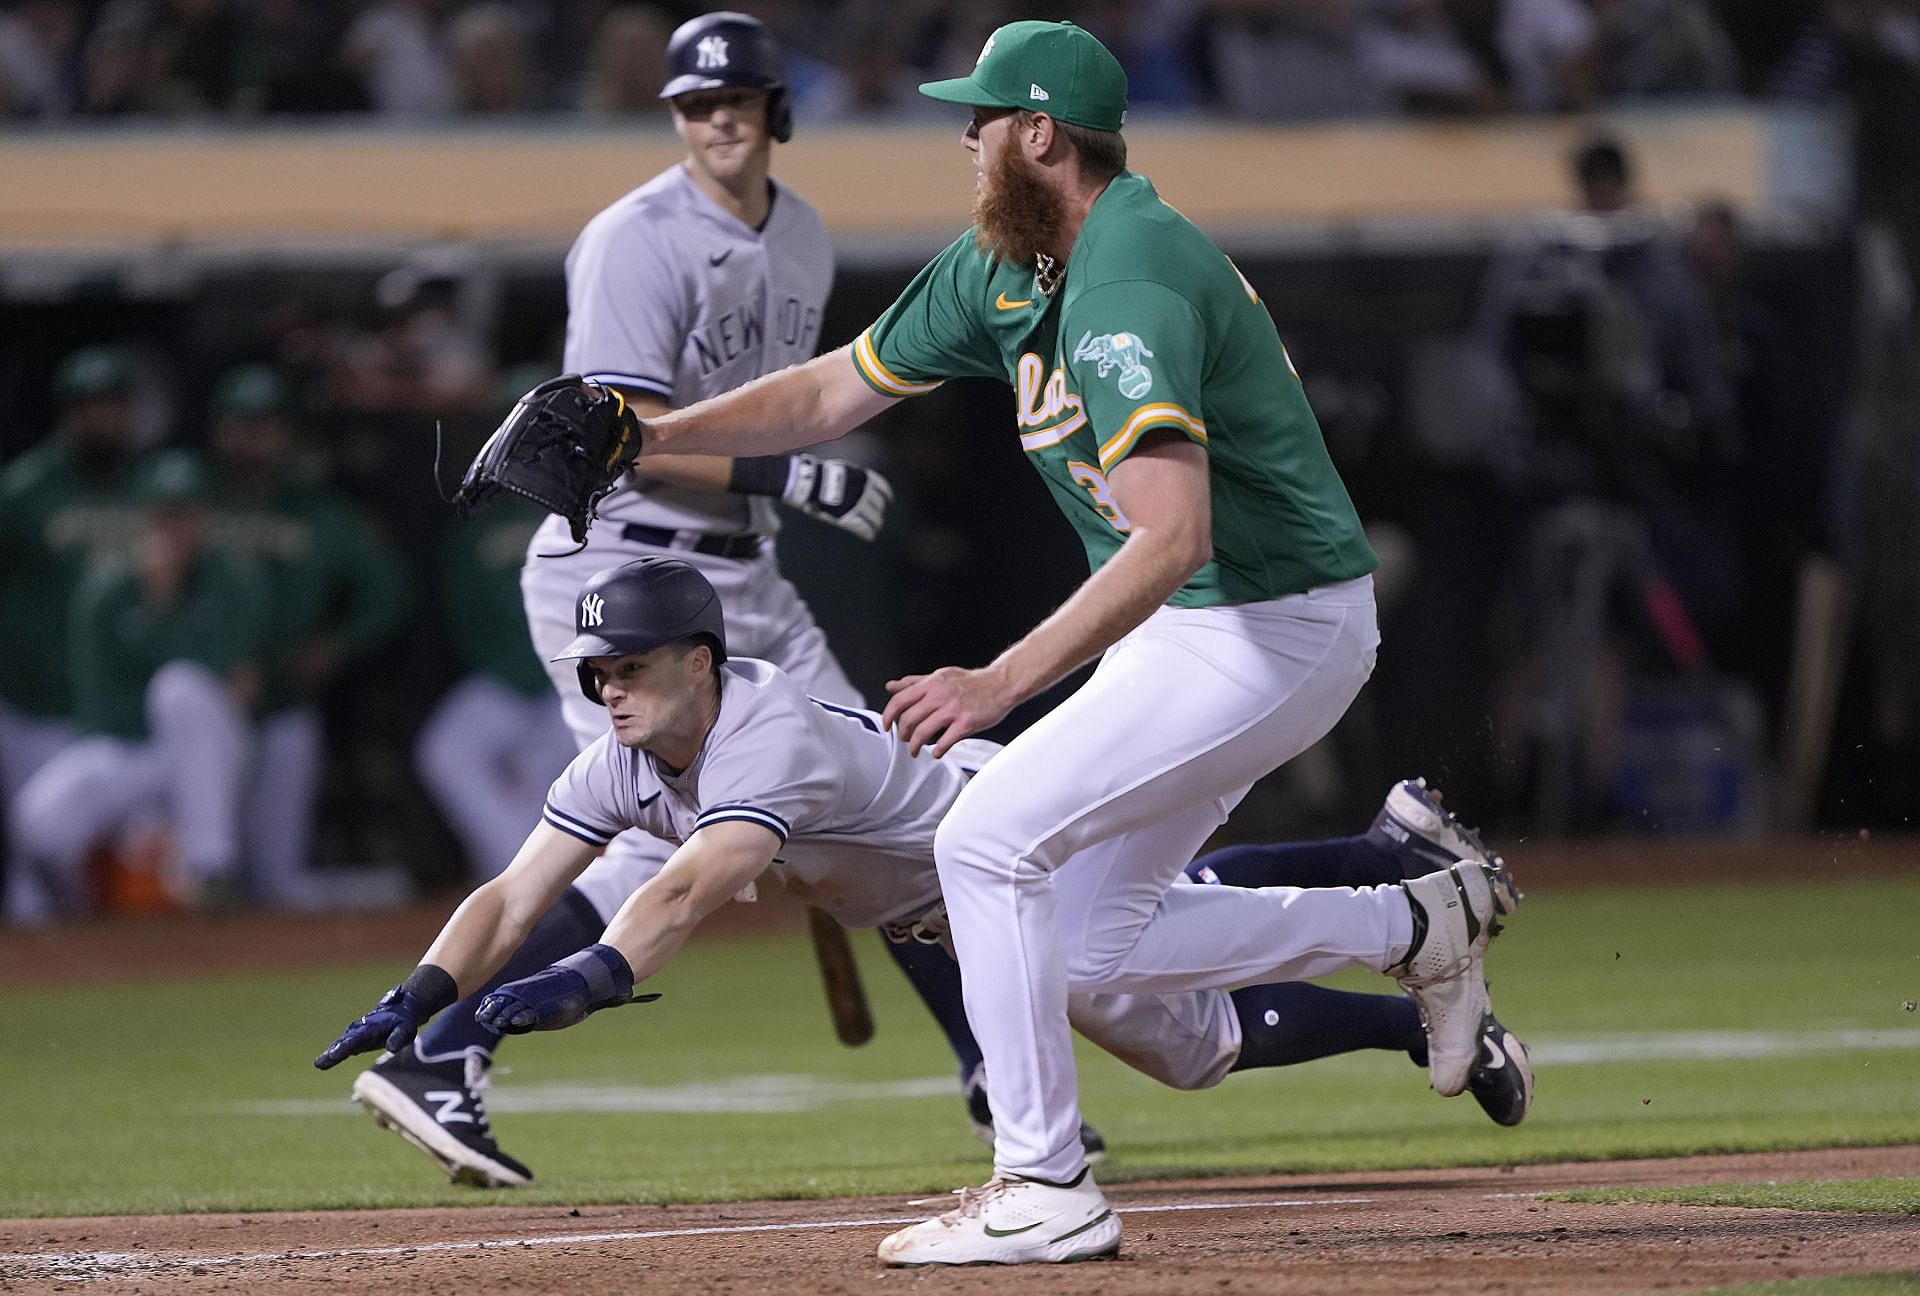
564,447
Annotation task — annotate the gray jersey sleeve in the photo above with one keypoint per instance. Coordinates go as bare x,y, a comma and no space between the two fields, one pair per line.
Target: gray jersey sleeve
605,790
627,312
781,780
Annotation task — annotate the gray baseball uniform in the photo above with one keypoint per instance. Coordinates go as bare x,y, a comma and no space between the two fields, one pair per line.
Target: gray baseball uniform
668,293
855,815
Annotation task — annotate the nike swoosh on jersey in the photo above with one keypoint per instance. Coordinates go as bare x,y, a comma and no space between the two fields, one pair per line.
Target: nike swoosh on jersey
716,260
1002,302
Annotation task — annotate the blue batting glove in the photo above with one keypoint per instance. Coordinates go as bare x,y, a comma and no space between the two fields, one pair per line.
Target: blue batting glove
562,995
396,1018
391,1025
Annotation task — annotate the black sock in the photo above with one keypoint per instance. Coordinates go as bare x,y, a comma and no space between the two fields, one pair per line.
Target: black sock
1338,861
1292,1021
567,927
935,977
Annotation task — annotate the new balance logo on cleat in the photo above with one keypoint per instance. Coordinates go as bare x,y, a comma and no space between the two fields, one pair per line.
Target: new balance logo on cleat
437,1107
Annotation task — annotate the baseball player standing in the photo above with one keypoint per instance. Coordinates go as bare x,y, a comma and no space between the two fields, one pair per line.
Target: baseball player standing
755,782
1230,606
706,277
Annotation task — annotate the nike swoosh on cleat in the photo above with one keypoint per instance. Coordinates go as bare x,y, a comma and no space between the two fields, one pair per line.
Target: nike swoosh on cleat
1002,302
1495,1058
991,1231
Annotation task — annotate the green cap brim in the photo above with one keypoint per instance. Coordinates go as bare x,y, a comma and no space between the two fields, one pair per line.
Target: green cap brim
967,91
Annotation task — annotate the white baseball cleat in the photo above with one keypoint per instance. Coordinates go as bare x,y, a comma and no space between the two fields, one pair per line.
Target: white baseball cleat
1445,970
1010,1220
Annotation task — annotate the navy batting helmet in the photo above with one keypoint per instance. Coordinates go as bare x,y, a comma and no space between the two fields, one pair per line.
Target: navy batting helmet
730,49
639,606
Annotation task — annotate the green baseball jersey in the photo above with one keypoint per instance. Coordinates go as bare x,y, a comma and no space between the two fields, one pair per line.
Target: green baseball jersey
55,517
120,638
483,558
1150,327
328,573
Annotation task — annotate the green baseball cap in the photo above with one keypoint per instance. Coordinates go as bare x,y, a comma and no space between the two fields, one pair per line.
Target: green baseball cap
93,371
251,391
1054,68
170,479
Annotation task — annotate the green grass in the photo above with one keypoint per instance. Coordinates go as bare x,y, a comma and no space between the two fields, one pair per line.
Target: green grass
124,1098
1872,1196
1887,1284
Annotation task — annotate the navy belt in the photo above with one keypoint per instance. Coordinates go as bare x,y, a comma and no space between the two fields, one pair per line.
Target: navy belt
720,546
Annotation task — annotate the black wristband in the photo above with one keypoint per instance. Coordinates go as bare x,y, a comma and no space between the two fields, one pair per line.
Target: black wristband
432,987
760,475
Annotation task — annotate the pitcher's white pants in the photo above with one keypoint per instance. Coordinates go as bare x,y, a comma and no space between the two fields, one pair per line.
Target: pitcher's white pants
766,618
1058,860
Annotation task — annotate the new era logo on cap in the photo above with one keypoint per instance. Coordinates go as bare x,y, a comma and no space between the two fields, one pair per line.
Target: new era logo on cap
1084,84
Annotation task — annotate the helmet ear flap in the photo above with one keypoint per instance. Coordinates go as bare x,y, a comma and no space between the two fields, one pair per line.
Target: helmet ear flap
779,113
587,685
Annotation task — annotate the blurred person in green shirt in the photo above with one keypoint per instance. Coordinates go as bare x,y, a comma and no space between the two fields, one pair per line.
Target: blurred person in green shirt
59,502
162,661
335,591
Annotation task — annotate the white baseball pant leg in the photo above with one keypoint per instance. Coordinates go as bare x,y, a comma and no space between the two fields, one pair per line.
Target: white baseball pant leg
282,795
1145,760
75,801
26,743
202,735
487,754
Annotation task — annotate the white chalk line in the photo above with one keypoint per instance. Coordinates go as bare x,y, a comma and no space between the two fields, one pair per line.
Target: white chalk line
102,1264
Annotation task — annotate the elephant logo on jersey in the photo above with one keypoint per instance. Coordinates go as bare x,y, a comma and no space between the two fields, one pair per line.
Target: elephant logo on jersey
1122,351
593,609
712,51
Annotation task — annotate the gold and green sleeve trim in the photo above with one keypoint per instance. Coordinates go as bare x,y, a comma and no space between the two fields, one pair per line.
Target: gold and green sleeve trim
1164,414
882,379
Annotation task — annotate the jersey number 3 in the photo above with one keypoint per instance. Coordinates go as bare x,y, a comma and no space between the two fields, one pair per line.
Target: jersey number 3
1096,484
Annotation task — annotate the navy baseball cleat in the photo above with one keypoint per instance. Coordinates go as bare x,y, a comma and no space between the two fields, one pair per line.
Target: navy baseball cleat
980,1117
1427,837
1502,1077
436,1106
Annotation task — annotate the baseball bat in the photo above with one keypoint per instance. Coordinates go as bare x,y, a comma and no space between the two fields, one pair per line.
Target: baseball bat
846,997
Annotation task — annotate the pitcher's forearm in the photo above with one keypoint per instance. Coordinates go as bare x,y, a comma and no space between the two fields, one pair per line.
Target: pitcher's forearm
797,407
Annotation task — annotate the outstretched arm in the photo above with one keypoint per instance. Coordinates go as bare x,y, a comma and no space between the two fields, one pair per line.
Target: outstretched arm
715,863
799,406
476,942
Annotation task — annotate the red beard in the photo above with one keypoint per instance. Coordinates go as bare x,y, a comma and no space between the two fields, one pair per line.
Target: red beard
1017,216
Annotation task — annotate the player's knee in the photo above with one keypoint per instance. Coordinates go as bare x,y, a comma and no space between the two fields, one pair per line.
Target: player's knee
182,688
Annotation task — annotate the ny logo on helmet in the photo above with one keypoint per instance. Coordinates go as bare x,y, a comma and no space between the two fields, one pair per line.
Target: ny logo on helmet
592,609
712,51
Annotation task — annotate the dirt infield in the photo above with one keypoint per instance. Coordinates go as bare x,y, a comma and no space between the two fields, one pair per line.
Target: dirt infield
1439,1231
